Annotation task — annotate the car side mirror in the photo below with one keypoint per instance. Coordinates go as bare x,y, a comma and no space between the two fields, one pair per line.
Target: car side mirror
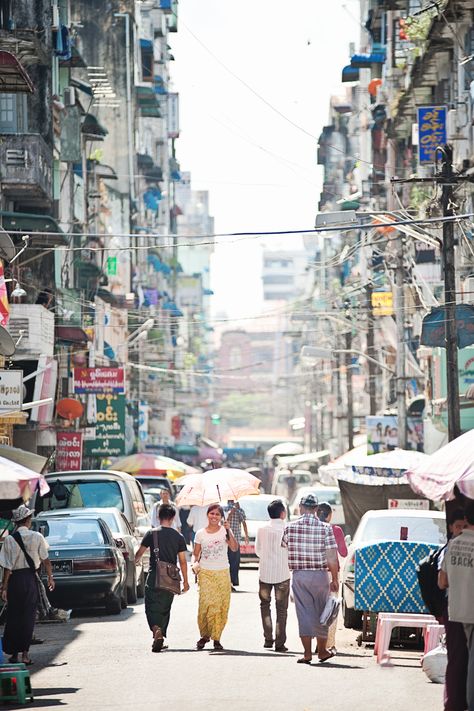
348,539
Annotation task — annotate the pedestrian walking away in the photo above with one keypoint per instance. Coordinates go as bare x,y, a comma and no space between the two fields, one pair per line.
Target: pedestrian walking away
237,520
457,576
21,555
171,549
274,574
312,555
211,565
324,513
197,519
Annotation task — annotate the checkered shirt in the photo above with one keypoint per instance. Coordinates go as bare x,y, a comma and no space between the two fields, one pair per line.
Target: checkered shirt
307,540
235,518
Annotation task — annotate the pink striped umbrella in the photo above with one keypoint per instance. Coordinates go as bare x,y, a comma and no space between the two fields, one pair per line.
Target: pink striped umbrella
450,466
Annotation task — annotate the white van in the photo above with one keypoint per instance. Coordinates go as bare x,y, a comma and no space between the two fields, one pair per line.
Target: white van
279,486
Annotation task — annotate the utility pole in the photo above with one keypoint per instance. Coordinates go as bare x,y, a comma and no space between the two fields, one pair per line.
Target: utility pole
371,352
400,360
350,397
452,381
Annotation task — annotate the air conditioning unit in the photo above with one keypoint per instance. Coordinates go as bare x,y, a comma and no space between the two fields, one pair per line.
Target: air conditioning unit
452,124
32,326
69,96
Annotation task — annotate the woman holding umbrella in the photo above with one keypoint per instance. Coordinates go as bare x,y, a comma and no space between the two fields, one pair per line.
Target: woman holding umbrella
211,564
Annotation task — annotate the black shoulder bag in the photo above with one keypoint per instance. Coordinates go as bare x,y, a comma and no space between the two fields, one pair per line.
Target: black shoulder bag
167,574
44,605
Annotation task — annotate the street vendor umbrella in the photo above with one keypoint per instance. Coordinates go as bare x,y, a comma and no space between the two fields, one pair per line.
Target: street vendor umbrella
18,482
450,466
149,464
216,485
388,464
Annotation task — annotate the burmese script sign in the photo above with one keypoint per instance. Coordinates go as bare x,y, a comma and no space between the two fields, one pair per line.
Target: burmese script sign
432,132
11,390
69,451
110,427
99,380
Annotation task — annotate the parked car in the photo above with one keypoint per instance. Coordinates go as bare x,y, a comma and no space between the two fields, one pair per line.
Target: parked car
329,494
302,478
255,508
96,488
153,495
89,568
156,482
126,539
386,525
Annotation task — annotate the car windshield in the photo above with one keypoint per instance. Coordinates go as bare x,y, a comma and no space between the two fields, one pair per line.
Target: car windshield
329,496
111,521
255,509
389,528
150,482
81,494
71,531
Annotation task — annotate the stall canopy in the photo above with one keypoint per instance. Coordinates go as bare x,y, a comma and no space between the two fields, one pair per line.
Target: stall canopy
19,482
284,449
306,459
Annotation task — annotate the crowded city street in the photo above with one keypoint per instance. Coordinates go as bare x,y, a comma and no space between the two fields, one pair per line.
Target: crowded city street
95,662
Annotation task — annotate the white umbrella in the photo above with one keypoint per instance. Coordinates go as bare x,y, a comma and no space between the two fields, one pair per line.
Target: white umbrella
450,466
18,482
216,485
284,448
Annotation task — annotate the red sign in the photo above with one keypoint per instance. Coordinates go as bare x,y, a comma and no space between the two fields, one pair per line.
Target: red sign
99,380
176,426
69,451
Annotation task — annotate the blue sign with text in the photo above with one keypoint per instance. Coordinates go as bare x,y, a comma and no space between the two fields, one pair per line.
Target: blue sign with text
431,131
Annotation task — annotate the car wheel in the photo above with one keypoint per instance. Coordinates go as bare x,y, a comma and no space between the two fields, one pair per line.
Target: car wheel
113,605
132,587
141,584
352,618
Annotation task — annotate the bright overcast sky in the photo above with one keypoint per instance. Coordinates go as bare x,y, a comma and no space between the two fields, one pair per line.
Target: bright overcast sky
260,170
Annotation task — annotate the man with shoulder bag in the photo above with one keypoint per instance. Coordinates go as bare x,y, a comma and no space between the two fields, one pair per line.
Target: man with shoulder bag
167,548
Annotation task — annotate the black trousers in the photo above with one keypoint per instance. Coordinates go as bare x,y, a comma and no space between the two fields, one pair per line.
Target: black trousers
234,564
22,604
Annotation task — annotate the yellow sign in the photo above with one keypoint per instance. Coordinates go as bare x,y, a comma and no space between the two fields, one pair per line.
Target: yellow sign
382,303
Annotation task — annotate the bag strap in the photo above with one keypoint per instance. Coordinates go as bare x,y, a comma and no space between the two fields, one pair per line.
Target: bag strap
29,560
156,545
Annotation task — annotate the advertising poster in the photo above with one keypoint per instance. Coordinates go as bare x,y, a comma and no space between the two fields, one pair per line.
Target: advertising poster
382,433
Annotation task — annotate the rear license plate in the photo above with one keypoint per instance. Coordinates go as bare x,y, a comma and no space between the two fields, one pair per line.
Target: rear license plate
62,567
247,550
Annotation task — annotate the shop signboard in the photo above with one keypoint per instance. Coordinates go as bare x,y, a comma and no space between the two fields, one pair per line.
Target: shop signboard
110,427
69,451
11,390
382,303
91,381
413,504
432,132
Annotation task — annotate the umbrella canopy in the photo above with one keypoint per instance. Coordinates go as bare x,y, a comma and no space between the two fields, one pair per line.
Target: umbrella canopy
17,481
146,463
450,466
284,448
27,459
388,464
216,485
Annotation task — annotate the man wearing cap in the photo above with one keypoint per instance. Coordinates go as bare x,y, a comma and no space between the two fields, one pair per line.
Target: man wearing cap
312,558
20,557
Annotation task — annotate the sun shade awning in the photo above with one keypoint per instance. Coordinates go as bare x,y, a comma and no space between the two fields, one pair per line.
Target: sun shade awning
82,86
76,59
92,128
350,73
363,61
44,230
71,334
13,77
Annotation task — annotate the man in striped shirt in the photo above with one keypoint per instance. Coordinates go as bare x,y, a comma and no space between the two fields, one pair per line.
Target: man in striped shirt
274,573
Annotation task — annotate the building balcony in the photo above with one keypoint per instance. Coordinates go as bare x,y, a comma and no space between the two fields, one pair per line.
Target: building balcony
26,164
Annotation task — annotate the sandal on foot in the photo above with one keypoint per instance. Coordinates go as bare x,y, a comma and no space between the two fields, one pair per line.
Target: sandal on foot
27,662
201,643
218,645
13,659
158,641
303,661
325,659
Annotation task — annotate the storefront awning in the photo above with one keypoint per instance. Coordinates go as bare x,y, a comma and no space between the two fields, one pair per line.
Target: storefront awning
364,61
350,73
13,77
70,334
93,129
44,230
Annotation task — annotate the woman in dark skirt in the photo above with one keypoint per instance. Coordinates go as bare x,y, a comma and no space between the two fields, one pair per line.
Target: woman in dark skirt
20,557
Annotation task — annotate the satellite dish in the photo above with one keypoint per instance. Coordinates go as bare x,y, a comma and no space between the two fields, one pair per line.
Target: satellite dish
7,248
7,344
69,408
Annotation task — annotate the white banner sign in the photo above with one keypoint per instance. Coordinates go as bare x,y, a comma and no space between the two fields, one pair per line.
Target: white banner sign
11,390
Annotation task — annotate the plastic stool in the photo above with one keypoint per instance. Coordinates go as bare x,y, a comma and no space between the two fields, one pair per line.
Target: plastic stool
388,623
15,684
433,634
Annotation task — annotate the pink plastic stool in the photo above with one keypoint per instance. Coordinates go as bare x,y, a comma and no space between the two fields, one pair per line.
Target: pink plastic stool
388,622
432,635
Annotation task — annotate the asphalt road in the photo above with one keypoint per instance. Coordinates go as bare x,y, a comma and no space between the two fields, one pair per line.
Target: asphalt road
99,662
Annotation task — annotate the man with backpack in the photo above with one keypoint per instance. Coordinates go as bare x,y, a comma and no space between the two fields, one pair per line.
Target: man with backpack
457,576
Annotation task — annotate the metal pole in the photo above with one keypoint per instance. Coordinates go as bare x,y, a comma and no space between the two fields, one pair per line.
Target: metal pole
371,352
452,382
350,399
400,359
338,404
128,89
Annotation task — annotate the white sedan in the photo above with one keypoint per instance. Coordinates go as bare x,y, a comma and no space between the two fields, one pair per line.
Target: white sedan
256,514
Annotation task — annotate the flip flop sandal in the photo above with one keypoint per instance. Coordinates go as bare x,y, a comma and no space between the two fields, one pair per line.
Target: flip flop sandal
201,643
304,661
158,642
218,646
321,661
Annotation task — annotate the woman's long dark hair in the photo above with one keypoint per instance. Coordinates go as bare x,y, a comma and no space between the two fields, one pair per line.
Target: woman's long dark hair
213,507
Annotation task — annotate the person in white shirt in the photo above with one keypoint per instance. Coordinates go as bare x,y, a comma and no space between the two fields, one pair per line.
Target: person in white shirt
165,498
197,518
274,573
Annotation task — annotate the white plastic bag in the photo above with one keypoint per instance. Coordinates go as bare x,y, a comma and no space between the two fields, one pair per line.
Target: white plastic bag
434,664
331,610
